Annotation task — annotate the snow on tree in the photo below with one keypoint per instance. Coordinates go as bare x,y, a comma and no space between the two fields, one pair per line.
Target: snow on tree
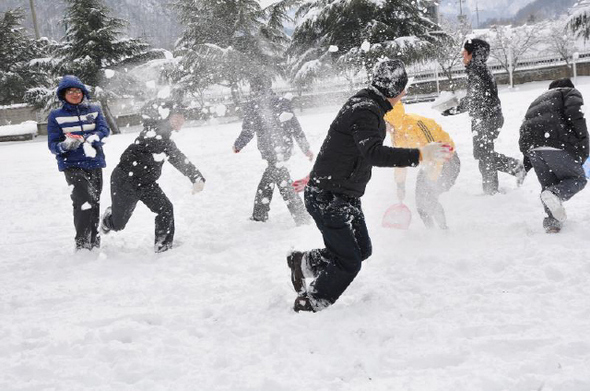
447,51
560,40
579,19
93,45
227,42
355,33
17,49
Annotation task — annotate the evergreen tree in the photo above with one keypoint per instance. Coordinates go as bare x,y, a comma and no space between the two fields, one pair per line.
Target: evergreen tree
355,33
227,42
579,19
17,49
92,44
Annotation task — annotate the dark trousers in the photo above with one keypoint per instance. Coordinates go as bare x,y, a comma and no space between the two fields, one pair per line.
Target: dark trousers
341,221
428,191
558,172
485,132
125,194
86,189
279,176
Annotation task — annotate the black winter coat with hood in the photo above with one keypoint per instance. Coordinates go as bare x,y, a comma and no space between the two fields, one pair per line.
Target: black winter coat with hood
273,121
354,145
482,100
555,119
143,160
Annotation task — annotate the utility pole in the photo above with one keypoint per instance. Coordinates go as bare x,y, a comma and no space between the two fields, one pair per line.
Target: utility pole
477,13
34,14
461,17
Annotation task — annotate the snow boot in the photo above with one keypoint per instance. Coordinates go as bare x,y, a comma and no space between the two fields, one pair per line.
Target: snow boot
551,225
104,225
294,261
302,303
554,205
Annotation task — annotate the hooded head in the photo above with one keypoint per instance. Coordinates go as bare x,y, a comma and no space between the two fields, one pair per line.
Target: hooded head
478,48
160,110
390,77
565,82
70,81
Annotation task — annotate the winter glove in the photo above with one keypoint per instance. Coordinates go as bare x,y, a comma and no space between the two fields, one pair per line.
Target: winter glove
299,184
236,150
435,152
71,142
198,186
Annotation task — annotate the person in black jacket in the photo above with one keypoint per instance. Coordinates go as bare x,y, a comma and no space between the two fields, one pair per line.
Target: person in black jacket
135,177
554,141
485,110
353,145
273,121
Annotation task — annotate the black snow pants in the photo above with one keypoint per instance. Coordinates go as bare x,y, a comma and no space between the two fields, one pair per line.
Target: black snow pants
485,132
279,176
125,194
557,172
341,221
86,189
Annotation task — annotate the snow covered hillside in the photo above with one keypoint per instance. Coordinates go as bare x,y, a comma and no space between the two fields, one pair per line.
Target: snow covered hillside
492,304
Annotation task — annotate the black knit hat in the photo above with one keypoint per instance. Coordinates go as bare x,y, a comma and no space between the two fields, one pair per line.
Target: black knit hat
565,82
478,48
390,77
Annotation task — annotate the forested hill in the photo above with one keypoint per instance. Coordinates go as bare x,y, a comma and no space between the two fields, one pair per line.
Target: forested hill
151,20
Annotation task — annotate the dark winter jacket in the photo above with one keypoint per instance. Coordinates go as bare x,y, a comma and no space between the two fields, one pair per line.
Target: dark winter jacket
83,119
482,100
354,145
272,120
555,119
143,160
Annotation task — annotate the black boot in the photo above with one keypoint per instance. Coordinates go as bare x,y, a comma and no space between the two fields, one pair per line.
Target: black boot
294,261
302,303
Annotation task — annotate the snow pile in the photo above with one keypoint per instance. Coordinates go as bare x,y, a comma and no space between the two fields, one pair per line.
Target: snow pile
28,127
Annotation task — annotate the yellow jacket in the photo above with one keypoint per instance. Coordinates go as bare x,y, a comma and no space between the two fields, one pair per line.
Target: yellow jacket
414,131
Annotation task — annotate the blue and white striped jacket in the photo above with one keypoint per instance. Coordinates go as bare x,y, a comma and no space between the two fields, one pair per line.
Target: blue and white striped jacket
83,119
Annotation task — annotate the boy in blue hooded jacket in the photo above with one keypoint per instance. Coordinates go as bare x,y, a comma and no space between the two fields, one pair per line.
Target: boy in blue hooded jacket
75,133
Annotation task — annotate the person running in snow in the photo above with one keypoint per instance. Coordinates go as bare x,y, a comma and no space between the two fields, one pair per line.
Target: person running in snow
353,145
135,177
485,110
273,122
554,141
414,131
75,134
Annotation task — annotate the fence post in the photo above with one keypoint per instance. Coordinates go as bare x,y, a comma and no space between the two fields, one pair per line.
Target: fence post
436,78
575,58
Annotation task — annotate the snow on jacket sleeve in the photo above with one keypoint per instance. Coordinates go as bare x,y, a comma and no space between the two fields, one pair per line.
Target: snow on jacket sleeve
181,162
54,135
573,102
365,131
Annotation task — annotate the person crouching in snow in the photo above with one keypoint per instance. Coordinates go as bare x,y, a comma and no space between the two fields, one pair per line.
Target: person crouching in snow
554,141
273,122
414,131
135,177
75,134
353,145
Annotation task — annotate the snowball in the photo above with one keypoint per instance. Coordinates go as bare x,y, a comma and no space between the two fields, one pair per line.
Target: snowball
165,92
86,206
285,116
333,49
220,110
366,46
163,112
92,139
288,96
150,134
159,157
109,73
89,150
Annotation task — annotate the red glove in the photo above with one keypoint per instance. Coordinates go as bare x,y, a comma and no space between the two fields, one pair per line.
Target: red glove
299,184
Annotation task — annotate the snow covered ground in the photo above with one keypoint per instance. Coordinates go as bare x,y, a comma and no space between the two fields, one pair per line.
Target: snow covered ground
493,304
